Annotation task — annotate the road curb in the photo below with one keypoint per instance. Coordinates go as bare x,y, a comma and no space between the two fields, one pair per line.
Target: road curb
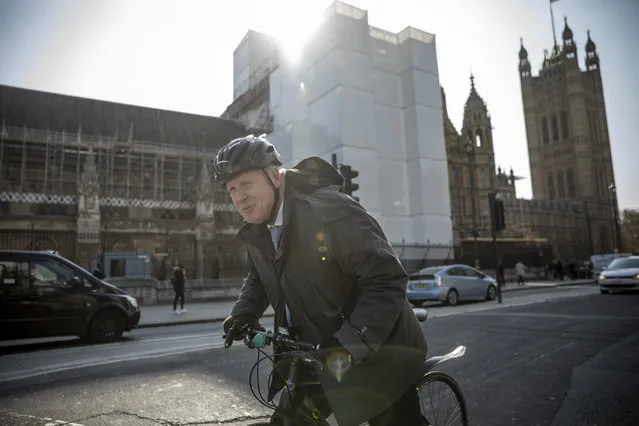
187,322
220,319
535,287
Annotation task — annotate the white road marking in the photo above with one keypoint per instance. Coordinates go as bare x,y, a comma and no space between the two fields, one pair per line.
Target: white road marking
49,420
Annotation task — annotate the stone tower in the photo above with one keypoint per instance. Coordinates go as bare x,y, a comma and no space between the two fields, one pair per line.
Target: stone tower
567,133
472,149
477,132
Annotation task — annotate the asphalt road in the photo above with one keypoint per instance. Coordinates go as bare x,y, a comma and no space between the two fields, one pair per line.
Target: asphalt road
518,369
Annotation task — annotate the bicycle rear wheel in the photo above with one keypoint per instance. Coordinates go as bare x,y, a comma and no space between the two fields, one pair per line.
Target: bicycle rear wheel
433,389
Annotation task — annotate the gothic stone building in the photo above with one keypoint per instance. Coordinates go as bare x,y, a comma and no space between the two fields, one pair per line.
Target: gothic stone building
570,160
123,184
567,132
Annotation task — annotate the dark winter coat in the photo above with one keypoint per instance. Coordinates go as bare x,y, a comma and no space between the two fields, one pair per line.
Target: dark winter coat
178,280
334,258
97,272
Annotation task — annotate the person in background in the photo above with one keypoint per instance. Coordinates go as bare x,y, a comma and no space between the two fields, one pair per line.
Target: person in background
178,281
520,270
98,272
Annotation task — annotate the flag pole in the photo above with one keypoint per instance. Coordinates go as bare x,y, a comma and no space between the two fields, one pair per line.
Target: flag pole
552,21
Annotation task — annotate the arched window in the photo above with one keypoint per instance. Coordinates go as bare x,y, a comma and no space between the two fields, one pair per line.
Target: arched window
560,184
551,187
570,178
478,138
544,129
564,124
555,127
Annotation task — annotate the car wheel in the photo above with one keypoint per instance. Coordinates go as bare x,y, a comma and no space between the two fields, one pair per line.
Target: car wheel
452,298
603,291
491,293
106,327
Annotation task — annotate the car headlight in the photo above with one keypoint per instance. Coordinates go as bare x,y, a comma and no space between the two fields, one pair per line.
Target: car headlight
636,277
601,277
131,300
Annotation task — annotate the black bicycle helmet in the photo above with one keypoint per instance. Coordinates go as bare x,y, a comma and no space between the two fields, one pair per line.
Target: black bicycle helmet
244,154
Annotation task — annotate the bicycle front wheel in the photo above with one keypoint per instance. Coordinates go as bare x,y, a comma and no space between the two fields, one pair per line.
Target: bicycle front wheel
442,401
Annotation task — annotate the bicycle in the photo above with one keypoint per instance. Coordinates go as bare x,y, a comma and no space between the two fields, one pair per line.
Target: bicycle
296,408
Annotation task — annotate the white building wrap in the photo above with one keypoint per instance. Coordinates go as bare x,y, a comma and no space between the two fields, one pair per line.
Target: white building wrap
373,98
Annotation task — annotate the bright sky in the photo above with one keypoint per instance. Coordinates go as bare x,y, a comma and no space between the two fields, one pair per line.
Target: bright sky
178,55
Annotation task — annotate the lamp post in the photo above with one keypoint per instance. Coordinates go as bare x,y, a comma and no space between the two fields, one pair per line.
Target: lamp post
615,209
492,198
470,152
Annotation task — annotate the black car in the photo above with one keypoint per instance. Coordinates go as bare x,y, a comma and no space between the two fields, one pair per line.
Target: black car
44,295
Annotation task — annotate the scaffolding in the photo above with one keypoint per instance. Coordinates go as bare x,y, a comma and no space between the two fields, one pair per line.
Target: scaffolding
148,195
44,167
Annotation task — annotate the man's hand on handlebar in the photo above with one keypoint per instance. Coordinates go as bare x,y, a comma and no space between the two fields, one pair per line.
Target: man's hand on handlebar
235,327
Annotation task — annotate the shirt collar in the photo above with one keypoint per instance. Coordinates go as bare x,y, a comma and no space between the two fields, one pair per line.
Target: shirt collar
279,219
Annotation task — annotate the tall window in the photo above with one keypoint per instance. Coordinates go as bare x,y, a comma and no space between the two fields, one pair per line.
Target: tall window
544,129
551,187
560,184
570,178
564,124
478,138
555,127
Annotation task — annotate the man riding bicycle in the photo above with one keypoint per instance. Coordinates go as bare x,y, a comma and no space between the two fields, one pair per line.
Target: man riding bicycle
326,267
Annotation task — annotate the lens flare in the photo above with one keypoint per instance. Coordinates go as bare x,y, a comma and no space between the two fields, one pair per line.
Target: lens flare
338,363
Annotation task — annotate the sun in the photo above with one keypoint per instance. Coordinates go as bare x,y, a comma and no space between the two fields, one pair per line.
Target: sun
293,24
292,49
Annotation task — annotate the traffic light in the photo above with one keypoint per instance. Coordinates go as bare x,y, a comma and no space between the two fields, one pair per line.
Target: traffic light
499,214
349,174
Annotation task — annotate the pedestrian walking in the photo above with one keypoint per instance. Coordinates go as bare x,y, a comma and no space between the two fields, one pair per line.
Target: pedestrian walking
178,281
520,270
98,272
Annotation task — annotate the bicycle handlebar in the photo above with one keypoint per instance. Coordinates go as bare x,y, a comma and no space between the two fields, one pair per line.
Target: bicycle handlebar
260,339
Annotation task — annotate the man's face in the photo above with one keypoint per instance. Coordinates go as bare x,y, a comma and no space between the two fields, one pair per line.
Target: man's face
252,194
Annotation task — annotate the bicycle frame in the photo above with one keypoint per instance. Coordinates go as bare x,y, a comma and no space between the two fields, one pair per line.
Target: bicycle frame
290,408
294,404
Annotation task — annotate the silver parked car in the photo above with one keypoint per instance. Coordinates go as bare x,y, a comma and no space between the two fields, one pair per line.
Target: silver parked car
450,284
621,274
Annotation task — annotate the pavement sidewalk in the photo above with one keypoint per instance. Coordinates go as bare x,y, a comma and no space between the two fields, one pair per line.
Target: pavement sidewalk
217,310
605,389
